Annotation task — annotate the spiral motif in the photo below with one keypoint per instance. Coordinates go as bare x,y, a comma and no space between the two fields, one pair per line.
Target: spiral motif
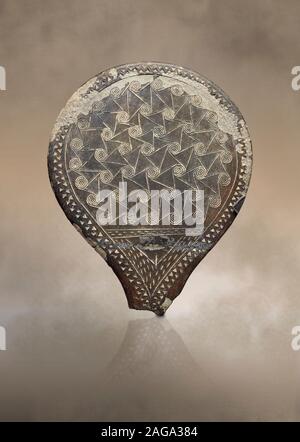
214,201
147,149
135,86
145,109
98,106
188,128
168,113
107,134
81,182
92,200
157,84
177,90
135,131
105,176
158,131
100,155
200,173
212,117
75,163
153,172
124,148
199,149
115,92
179,170
195,100
224,179
128,171
83,123
221,137
226,157
174,148
76,144
123,117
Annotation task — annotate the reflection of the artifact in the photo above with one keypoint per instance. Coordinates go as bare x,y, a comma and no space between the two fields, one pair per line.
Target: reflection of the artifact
150,347
153,376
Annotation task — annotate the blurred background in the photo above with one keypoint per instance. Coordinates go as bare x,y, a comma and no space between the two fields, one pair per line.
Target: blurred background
74,349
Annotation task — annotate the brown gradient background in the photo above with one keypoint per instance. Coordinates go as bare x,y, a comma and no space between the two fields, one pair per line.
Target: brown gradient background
74,350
